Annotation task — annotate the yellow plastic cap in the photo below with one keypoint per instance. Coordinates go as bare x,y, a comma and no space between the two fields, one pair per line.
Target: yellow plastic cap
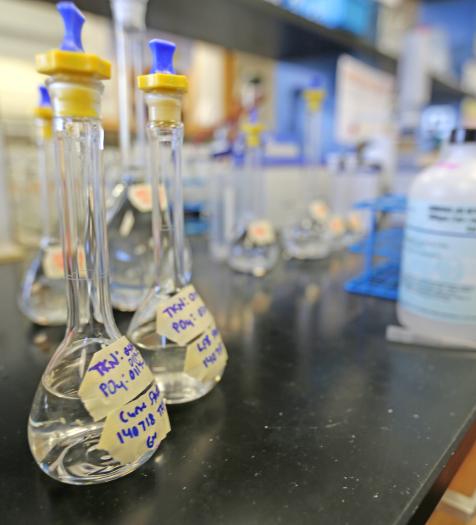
253,130
163,82
43,112
57,61
314,98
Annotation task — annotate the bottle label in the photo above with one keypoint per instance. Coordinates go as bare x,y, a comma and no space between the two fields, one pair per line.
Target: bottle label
261,233
438,277
319,211
116,374
206,356
183,316
53,262
337,226
140,196
356,223
137,427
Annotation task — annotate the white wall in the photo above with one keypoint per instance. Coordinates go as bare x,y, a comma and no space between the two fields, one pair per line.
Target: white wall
31,27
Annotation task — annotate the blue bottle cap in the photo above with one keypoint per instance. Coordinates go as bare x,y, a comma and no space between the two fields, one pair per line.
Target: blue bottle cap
253,116
317,82
73,21
44,100
162,56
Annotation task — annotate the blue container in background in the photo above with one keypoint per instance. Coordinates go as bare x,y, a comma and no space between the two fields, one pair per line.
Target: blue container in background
357,16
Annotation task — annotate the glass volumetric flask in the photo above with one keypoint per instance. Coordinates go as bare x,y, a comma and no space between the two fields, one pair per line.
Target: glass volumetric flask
306,237
172,327
43,294
254,248
221,207
97,413
130,211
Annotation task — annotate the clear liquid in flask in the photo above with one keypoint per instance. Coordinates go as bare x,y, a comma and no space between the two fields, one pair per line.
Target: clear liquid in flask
62,435
130,254
42,298
256,259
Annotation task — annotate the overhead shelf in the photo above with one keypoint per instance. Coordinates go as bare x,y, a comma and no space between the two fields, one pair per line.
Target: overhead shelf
253,26
447,89
262,28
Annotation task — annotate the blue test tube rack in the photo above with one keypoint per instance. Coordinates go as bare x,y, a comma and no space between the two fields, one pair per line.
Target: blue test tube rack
381,250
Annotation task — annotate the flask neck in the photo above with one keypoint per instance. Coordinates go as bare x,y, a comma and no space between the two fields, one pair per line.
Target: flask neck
253,185
312,137
45,171
129,30
81,192
165,132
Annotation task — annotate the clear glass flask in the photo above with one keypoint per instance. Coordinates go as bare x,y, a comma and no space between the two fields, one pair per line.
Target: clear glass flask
9,250
307,237
172,327
130,214
221,207
75,432
43,294
254,248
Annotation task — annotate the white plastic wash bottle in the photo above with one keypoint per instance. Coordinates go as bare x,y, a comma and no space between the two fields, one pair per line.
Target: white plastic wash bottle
437,295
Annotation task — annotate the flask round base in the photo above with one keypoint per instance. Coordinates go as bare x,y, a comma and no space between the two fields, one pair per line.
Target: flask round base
44,317
255,260
300,242
75,458
126,298
166,361
182,388
42,299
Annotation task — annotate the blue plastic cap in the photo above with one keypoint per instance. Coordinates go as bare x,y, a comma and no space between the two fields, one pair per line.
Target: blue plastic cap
162,56
317,82
73,21
253,116
44,101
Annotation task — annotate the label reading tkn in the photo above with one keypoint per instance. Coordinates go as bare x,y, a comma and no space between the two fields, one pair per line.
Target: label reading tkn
116,374
183,316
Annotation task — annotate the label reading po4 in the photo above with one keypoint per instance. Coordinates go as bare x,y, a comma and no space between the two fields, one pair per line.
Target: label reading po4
116,374
53,262
261,233
319,211
137,427
183,316
140,196
206,356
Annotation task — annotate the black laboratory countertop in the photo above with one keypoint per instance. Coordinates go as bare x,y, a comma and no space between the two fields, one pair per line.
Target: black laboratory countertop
318,420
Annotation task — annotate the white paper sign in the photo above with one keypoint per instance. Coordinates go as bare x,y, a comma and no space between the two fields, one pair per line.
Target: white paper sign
365,98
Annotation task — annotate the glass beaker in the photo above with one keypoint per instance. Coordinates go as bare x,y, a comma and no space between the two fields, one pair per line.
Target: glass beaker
172,327
97,413
43,293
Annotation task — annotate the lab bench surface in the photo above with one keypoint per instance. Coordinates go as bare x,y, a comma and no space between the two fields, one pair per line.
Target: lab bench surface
318,420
